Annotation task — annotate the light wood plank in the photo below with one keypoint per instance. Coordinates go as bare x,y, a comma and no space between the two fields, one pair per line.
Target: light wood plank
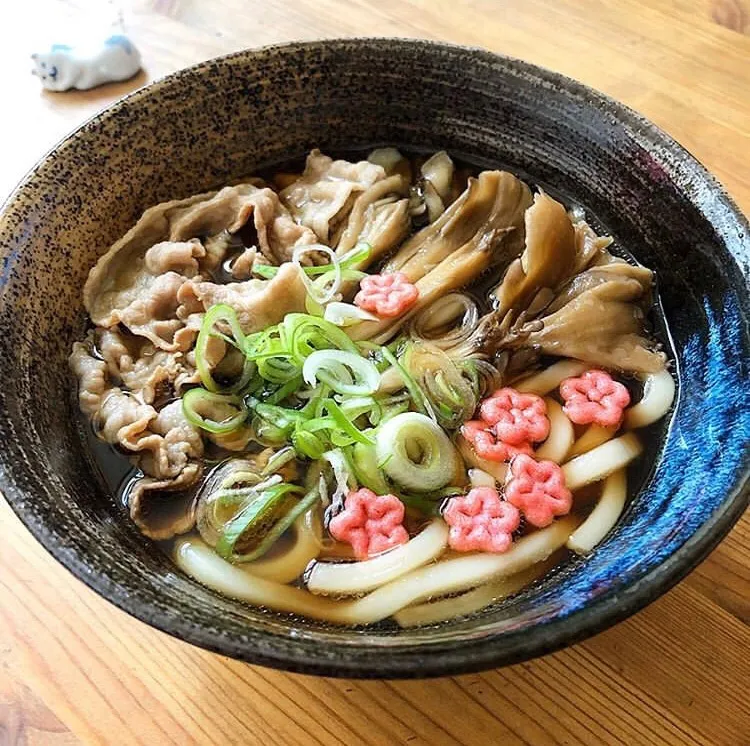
730,14
24,718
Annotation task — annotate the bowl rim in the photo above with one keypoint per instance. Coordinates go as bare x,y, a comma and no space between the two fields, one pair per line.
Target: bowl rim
426,659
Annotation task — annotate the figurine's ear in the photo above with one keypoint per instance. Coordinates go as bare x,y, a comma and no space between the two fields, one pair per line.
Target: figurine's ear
35,56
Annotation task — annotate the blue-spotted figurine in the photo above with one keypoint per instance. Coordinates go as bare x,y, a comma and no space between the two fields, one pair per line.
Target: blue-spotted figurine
64,67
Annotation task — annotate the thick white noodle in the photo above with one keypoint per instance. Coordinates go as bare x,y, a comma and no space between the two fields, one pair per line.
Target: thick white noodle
199,561
443,609
462,573
604,515
498,470
658,395
601,461
353,578
202,563
561,434
479,478
550,378
593,436
292,563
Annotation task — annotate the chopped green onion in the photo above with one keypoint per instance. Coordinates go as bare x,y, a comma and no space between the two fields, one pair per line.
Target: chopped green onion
216,314
345,372
307,444
357,406
352,275
204,408
342,473
270,353
422,457
267,434
284,391
393,405
382,463
447,387
313,307
364,461
283,418
266,271
306,334
319,423
254,530
325,287
345,424
360,253
279,459
340,439
420,400
346,314
234,499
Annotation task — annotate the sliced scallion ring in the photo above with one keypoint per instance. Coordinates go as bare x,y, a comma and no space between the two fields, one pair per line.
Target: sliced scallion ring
365,466
352,258
345,372
215,413
357,406
307,443
304,334
356,256
421,402
345,424
217,314
279,459
320,292
420,456
254,530
346,314
283,418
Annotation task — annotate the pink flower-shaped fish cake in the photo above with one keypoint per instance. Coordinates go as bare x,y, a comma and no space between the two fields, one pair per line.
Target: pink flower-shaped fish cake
371,523
516,418
481,521
594,397
389,295
537,489
483,440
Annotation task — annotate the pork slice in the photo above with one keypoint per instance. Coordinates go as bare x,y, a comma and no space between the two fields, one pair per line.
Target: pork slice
325,194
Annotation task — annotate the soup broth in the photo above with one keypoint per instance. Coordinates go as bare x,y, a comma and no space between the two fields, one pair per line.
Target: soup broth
378,387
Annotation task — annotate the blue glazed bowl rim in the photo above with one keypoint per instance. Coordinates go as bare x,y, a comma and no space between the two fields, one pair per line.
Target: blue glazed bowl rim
444,657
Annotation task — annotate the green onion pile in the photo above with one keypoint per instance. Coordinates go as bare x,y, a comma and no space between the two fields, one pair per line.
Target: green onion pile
307,388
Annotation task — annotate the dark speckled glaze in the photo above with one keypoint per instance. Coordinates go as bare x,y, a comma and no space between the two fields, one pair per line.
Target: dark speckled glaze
223,119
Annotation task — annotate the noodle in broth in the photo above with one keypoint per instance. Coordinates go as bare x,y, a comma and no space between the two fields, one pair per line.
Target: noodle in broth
374,389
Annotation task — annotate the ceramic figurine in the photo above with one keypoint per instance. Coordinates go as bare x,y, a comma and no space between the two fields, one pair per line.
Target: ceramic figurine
64,66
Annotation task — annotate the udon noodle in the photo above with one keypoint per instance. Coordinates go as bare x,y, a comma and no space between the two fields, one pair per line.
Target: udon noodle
389,388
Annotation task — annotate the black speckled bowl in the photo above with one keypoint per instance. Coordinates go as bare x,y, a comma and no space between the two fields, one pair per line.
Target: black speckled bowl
223,119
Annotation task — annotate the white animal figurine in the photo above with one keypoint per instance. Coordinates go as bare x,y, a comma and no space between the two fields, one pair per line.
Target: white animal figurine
84,67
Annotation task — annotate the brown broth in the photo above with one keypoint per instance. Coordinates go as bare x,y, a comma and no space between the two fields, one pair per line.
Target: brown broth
116,474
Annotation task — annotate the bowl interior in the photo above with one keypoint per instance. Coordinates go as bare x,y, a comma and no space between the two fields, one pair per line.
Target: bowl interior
224,119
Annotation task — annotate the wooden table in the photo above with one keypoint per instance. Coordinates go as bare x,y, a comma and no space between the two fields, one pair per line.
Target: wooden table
73,669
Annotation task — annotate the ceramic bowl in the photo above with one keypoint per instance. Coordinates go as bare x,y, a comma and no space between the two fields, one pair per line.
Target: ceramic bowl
225,118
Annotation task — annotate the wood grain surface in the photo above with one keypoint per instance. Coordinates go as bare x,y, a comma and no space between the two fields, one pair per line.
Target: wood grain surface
74,669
